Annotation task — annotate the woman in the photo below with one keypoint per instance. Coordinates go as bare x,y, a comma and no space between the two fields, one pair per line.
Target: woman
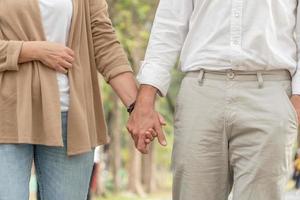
50,104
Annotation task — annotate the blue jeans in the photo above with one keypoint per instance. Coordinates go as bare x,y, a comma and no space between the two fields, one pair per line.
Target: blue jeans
59,177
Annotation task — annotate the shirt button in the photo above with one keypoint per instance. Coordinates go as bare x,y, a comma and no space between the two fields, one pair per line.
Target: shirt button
237,14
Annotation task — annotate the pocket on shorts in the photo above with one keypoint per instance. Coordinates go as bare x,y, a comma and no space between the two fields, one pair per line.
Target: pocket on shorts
287,92
292,130
179,100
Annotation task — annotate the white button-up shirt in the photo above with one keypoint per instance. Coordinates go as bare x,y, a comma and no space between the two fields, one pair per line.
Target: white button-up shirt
222,34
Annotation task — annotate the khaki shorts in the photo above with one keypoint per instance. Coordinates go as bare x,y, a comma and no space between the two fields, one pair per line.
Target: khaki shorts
233,129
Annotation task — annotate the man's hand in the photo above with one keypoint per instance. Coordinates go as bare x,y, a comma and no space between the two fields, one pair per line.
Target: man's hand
296,102
145,123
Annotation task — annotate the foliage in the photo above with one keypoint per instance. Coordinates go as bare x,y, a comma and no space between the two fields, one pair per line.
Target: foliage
132,20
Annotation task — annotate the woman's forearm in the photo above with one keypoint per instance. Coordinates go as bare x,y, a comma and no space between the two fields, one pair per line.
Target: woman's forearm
126,87
29,52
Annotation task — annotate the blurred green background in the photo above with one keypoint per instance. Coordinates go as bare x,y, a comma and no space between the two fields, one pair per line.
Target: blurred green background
128,172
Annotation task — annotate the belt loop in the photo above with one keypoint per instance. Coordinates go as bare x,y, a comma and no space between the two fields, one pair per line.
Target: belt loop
201,76
260,79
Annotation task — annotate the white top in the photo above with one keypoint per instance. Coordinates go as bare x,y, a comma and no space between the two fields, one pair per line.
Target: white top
97,154
56,17
222,34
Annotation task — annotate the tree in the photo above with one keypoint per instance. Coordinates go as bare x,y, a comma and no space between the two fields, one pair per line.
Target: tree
114,126
132,20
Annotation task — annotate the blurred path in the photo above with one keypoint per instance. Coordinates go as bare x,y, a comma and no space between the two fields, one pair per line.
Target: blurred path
293,195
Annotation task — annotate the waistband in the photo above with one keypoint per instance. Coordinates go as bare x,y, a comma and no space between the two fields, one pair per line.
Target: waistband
271,75
234,75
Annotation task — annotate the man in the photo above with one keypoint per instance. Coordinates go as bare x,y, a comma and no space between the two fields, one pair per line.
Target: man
235,124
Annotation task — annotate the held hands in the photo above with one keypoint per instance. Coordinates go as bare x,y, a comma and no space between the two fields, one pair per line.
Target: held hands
145,125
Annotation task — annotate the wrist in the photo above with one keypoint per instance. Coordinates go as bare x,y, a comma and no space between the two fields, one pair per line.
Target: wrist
145,104
145,101
31,50
37,50
146,96
131,107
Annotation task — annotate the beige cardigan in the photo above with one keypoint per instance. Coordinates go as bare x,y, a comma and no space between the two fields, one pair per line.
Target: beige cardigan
29,97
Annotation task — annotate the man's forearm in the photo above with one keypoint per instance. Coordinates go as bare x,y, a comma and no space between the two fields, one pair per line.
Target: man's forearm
146,97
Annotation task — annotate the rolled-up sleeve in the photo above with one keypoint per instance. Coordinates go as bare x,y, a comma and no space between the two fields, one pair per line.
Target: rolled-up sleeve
111,59
168,34
9,55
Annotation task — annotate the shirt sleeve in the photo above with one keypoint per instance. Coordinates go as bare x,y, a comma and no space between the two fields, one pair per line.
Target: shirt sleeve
168,34
296,77
9,55
111,59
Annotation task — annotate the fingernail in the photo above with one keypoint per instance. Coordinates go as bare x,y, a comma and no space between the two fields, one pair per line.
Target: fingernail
164,143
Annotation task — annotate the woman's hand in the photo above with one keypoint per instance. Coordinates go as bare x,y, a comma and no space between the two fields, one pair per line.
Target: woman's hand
55,56
151,133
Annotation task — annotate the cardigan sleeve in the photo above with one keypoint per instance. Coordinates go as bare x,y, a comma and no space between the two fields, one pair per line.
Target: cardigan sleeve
9,55
111,59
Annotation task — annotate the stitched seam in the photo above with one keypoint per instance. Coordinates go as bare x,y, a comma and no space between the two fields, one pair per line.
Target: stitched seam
39,173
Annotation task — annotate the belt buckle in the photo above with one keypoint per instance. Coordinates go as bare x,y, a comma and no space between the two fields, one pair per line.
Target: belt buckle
230,75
